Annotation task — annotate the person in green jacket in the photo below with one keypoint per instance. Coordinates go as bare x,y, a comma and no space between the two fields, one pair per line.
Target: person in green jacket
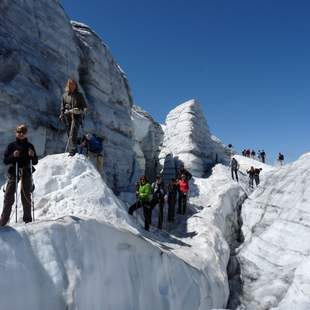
144,195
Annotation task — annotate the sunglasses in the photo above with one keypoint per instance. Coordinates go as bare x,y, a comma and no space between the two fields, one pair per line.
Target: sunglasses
20,131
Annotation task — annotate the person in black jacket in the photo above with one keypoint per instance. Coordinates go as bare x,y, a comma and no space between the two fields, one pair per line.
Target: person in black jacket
182,171
18,155
158,191
72,108
172,199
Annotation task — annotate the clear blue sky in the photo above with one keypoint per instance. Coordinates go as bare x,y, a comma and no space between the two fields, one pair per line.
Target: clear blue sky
246,62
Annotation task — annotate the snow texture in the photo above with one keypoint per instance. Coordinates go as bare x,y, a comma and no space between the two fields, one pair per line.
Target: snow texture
276,226
149,135
85,252
188,140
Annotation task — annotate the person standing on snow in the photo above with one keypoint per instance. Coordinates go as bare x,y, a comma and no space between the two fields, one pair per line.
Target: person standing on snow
281,159
183,189
182,171
144,195
172,199
72,108
256,175
251,173
263,156
234,168
253,154
18,155
158,190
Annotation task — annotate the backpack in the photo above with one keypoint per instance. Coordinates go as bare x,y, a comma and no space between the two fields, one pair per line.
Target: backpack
95,144
281,157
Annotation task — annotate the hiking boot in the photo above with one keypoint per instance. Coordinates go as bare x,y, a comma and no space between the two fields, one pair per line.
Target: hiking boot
71,154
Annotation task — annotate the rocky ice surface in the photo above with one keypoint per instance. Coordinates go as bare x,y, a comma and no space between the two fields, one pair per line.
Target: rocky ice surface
149,136
85,252
188,140
39,50
276,226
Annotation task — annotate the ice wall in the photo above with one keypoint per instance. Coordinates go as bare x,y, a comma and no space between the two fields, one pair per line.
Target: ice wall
275,255
188,140
39,50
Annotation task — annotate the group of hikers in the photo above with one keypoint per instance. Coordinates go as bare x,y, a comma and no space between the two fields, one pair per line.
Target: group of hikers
21,155
252,172
261,155
151,195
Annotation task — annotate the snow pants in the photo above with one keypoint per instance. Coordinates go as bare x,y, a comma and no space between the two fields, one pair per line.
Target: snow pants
256,178
251,181
9,197
72,128
147,212
182,203
234,172
172,198
160,202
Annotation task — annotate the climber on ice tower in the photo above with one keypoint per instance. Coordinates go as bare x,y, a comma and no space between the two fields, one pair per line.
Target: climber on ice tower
72,109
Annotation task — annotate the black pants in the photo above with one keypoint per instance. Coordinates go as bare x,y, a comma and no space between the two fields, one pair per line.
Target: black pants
234,172
182,203
147,212
9,197
172,198
251,181
72,128
160,202
256,178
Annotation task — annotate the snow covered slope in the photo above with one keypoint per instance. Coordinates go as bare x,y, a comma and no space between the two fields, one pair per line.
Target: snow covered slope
85,252
275,257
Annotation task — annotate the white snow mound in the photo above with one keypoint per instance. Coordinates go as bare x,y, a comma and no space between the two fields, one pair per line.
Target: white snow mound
275,257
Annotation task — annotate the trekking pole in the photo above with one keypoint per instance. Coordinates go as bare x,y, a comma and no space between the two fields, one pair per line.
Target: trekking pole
32,190
16,188
71,131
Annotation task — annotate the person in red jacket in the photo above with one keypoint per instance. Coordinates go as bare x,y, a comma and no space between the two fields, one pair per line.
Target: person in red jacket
183,188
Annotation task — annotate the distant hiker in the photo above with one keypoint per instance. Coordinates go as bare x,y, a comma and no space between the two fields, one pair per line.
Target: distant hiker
72,108
18,155
158,190
256,175
234,165
183,188
281,159
251,173
172,199
248,153
244,152
253,154
259,155
91,145
263,156
144,194
181,171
